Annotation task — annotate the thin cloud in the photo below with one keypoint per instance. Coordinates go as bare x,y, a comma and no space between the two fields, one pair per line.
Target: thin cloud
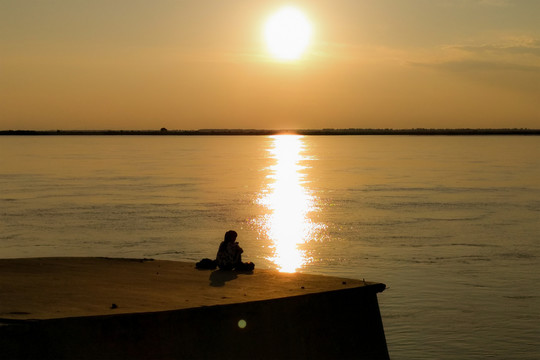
498,3
516,46
476,66
518,53
469,3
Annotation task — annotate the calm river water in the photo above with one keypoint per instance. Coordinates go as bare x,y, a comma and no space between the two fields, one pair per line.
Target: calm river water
450,224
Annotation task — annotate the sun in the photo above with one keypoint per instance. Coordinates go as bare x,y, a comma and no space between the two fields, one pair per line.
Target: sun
287,33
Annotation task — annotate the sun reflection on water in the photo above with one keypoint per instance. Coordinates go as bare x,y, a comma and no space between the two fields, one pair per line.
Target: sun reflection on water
289,202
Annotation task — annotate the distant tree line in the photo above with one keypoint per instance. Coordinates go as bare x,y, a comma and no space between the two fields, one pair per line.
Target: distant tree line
327,131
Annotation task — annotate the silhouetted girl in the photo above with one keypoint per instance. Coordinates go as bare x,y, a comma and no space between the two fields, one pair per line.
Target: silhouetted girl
229,255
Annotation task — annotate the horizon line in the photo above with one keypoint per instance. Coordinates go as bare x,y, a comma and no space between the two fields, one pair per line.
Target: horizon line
323,131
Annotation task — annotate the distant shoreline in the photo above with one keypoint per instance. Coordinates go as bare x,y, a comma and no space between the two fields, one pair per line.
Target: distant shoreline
206,132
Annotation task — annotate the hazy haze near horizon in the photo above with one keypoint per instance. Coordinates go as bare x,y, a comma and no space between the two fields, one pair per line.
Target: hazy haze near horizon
203,64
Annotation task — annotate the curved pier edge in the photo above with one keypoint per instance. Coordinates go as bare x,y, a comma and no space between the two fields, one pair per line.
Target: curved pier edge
331,318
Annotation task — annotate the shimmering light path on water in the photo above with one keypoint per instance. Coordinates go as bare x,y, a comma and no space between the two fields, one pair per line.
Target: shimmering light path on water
287,197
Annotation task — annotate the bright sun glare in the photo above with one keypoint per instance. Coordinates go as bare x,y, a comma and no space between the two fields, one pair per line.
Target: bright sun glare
287,33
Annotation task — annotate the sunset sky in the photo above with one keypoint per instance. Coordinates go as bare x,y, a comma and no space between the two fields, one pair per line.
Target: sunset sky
134,64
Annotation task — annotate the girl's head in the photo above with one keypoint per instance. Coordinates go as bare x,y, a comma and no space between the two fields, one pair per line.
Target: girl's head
230,236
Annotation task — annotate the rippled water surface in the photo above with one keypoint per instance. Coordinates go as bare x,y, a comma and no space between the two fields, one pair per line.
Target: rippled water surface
450,224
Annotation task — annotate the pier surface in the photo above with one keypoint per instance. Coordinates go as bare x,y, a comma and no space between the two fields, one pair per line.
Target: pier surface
113,308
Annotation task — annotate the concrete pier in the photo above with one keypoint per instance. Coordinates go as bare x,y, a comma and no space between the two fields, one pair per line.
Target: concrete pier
90,308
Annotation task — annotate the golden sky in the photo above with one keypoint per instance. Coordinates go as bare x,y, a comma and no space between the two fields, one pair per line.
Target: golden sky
135,64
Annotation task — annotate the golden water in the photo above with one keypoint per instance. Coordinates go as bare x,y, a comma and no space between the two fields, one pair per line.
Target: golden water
450,224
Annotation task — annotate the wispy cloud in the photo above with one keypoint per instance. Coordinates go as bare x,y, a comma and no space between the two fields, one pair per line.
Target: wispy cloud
468,65
509,46
519,53
499,3
469,3
510,63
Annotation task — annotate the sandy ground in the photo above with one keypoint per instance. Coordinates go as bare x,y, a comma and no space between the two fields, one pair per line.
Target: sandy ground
47,288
